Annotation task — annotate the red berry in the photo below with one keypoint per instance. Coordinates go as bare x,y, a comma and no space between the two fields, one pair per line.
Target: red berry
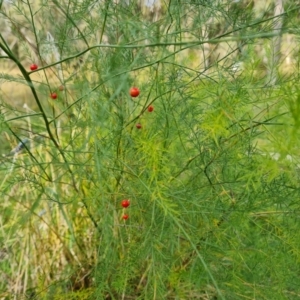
125,217
150,108
61,88
53,95
138,126
134,92
33,67
125,203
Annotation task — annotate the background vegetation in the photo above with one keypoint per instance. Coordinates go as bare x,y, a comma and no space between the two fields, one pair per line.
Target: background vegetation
212,174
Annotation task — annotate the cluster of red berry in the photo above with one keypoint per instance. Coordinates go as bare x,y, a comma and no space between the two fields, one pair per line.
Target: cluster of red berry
53,95
134,92
125,203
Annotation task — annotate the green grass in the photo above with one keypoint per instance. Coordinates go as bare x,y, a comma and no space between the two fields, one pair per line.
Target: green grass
211,215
